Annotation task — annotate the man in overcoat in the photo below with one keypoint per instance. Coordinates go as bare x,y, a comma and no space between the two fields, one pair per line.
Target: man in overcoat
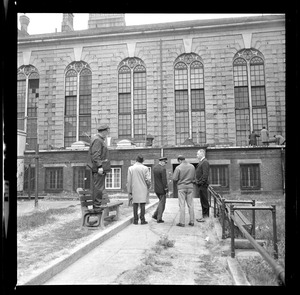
201,183
138,183
98,161
160,187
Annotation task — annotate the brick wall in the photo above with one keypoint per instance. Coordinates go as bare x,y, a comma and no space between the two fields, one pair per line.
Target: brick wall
269,160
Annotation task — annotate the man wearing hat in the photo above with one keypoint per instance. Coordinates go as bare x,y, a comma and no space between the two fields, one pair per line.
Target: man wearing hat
99,163
160,187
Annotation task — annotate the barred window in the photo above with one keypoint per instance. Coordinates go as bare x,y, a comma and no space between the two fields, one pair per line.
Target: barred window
54,179
113,179
249,94
219,175
189,99
132,102
250,176
27,103
82,177
78,92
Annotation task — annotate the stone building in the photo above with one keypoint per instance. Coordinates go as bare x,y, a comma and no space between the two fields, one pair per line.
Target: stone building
164,89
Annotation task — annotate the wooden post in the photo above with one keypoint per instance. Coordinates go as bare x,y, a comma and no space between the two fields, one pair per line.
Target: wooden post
36,175
29,181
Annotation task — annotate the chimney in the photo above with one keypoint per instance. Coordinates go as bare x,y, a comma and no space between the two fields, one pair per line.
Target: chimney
106,20
67,23
24,20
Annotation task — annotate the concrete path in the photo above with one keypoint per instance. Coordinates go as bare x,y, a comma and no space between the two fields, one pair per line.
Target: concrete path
124,251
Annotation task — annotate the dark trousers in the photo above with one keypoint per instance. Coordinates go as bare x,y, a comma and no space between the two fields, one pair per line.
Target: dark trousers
203,193
98,188
135,212
160,207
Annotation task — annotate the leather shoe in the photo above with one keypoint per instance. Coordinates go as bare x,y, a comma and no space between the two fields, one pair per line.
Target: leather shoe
201,220
144,222
154,217
135,223
180,224
160,221
191,223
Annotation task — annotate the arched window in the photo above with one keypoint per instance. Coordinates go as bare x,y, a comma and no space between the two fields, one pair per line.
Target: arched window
132,99
78,92
189,99
249,94
27,100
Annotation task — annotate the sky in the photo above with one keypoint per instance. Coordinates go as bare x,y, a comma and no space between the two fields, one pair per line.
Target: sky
41,23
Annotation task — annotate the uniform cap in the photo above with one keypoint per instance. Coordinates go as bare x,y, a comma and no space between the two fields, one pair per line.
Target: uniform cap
103,127
165,159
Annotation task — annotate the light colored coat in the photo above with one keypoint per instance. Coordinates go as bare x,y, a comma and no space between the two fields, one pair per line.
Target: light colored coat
138,182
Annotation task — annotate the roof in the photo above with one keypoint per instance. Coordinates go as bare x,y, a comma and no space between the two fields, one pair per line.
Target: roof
153,28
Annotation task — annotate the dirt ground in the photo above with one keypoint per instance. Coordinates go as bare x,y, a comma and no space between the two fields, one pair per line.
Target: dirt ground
38,246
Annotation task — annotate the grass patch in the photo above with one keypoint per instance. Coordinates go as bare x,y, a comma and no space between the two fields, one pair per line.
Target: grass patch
165,242
258,270
40,218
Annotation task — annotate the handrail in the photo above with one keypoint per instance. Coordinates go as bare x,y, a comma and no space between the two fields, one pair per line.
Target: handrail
279,271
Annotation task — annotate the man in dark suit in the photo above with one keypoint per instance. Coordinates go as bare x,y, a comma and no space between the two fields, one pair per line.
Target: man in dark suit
160,187
201,182
98,161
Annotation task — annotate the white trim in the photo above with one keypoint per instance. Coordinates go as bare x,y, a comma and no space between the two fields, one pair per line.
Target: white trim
249,161
219,162
59,165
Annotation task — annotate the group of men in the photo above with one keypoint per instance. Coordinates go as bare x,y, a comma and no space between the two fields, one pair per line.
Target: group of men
264,135
191,182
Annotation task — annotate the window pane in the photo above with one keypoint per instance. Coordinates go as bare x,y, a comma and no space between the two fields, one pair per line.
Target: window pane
240,75
258,96
124,103
84,128
181,127
241,97
198,127
197,97
21,88
181,100
181,81
54,178
139,126
124,82
219,175
113,179
197,80
125,126
70,130
71,86
242,126
250,176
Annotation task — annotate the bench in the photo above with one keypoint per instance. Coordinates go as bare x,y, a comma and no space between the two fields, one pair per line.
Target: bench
100,214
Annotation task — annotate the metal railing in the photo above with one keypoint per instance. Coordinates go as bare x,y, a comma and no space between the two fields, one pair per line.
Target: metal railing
220,206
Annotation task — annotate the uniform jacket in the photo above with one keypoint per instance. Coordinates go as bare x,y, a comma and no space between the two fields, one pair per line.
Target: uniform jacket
202,173
138,182
160,179
98,152
184,175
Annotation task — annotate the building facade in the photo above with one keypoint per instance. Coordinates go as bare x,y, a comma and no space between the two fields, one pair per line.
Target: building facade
164,89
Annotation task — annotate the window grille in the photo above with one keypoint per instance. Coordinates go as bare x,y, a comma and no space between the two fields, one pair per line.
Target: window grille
132,99
78,96
219,175
189,99
113,179
54,179
250,176
249,94
27,103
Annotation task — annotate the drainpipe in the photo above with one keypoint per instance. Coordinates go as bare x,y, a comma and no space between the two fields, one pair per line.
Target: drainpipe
283,170
161,94
250,98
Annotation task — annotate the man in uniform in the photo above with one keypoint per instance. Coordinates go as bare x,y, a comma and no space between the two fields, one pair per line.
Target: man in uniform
98,161
160,187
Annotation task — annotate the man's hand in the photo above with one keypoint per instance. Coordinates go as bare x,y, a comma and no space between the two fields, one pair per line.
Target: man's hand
100,171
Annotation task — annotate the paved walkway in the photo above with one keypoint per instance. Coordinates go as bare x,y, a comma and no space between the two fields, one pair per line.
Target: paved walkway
124,251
